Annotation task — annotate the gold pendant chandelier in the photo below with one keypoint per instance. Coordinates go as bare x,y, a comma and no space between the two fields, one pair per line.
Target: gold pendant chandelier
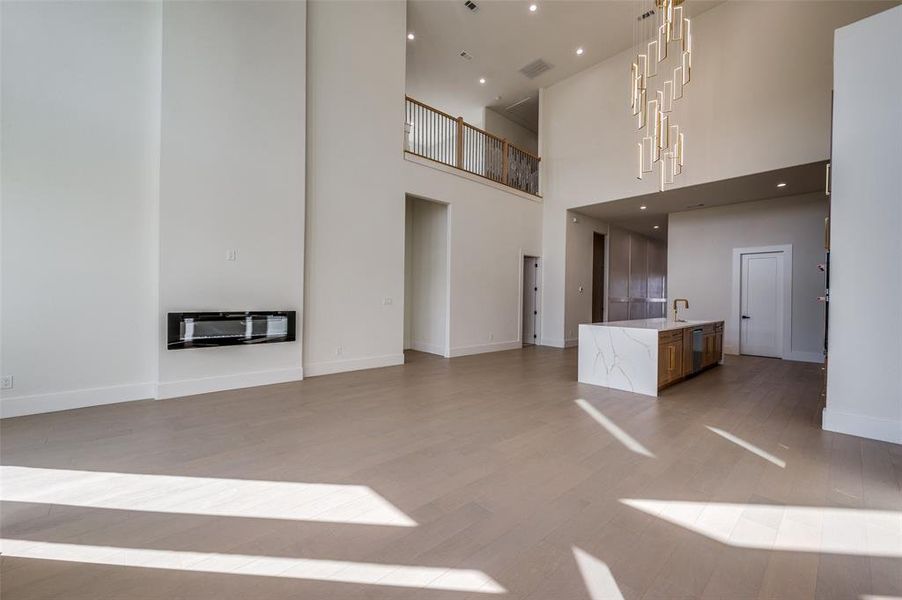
669,52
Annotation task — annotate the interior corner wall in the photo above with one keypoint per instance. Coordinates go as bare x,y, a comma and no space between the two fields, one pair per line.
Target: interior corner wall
579,271
759,100
700,262
355,197
864,378
427,310
80,151
503,127
490,231
231,177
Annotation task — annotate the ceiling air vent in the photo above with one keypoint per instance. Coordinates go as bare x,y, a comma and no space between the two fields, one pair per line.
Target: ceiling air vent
535,68
471,5
466,55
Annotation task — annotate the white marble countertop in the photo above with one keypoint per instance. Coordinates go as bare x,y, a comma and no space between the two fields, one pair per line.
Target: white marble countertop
659,324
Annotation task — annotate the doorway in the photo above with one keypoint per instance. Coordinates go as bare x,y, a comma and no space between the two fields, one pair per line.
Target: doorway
426,286
531,278
764,300
598,256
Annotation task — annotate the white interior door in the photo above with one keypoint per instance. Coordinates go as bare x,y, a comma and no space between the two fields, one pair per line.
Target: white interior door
761,304
530,299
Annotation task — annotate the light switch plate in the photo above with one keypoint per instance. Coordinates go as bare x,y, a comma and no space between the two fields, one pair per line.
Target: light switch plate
232,254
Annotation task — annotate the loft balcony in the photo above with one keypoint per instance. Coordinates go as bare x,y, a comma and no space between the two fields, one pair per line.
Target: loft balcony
437,136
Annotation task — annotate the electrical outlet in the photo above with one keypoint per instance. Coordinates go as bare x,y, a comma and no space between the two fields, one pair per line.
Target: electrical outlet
6,382
232,254
491,337
386,301
338,351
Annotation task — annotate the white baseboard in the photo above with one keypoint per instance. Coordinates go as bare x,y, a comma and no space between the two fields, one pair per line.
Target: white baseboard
885,430
353,364
483,348
203,385
429,348
803,356
17,406
796,355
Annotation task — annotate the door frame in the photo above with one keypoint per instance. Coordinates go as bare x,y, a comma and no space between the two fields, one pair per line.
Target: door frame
604,276
523,255
731,328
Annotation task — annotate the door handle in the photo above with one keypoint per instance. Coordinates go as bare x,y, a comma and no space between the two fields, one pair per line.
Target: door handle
746,317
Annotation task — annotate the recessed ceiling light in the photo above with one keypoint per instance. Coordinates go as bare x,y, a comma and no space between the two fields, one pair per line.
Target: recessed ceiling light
533,7
781,184
656,227
410,36
579,51
643,207
482,80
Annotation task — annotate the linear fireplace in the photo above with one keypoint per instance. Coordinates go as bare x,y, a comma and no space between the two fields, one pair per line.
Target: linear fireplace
205,329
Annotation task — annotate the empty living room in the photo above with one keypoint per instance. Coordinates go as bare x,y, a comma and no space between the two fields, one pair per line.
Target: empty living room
450,299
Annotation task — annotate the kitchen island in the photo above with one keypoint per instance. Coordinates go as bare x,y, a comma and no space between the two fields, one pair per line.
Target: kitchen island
647,355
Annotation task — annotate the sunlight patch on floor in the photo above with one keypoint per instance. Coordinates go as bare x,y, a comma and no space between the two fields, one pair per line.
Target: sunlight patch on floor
623,437
597,576
848,531
338,571
322,502
749,446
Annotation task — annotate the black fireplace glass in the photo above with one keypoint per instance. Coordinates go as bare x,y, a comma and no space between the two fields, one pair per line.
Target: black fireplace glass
205,329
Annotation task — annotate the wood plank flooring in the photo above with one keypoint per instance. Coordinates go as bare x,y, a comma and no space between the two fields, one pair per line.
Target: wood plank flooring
469,478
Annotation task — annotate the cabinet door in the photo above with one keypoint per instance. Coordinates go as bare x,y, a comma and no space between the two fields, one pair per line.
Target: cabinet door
687,351
708,354
664,372
675,359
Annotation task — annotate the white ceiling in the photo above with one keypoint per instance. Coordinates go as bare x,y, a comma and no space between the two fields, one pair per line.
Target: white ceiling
503,36
801,179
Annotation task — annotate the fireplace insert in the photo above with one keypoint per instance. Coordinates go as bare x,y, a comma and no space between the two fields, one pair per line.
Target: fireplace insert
206,329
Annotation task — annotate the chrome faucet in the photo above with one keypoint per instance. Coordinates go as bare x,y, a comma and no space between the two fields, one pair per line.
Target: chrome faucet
684,301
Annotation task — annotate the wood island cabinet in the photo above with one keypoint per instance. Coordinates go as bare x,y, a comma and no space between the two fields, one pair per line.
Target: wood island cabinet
677,351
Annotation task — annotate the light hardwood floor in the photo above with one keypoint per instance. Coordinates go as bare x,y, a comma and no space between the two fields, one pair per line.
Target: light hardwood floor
479,472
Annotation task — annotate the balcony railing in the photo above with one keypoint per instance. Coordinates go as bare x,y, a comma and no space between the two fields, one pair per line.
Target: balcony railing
436,135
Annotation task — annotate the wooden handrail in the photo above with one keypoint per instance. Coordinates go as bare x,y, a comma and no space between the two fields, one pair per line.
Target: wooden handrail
432,108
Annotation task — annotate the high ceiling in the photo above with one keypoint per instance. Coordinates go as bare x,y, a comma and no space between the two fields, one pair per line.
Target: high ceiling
801,179
502,37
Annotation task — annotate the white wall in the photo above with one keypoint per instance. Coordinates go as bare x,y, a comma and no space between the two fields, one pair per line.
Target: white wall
700,247
355,196
759,100
140,141
356,206
864,378
426,281
523,138
232,177
80,152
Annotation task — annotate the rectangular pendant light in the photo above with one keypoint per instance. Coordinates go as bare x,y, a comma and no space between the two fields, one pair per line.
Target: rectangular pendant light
652,65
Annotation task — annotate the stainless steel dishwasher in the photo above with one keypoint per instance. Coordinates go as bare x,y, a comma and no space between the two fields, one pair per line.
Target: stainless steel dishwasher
698,351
